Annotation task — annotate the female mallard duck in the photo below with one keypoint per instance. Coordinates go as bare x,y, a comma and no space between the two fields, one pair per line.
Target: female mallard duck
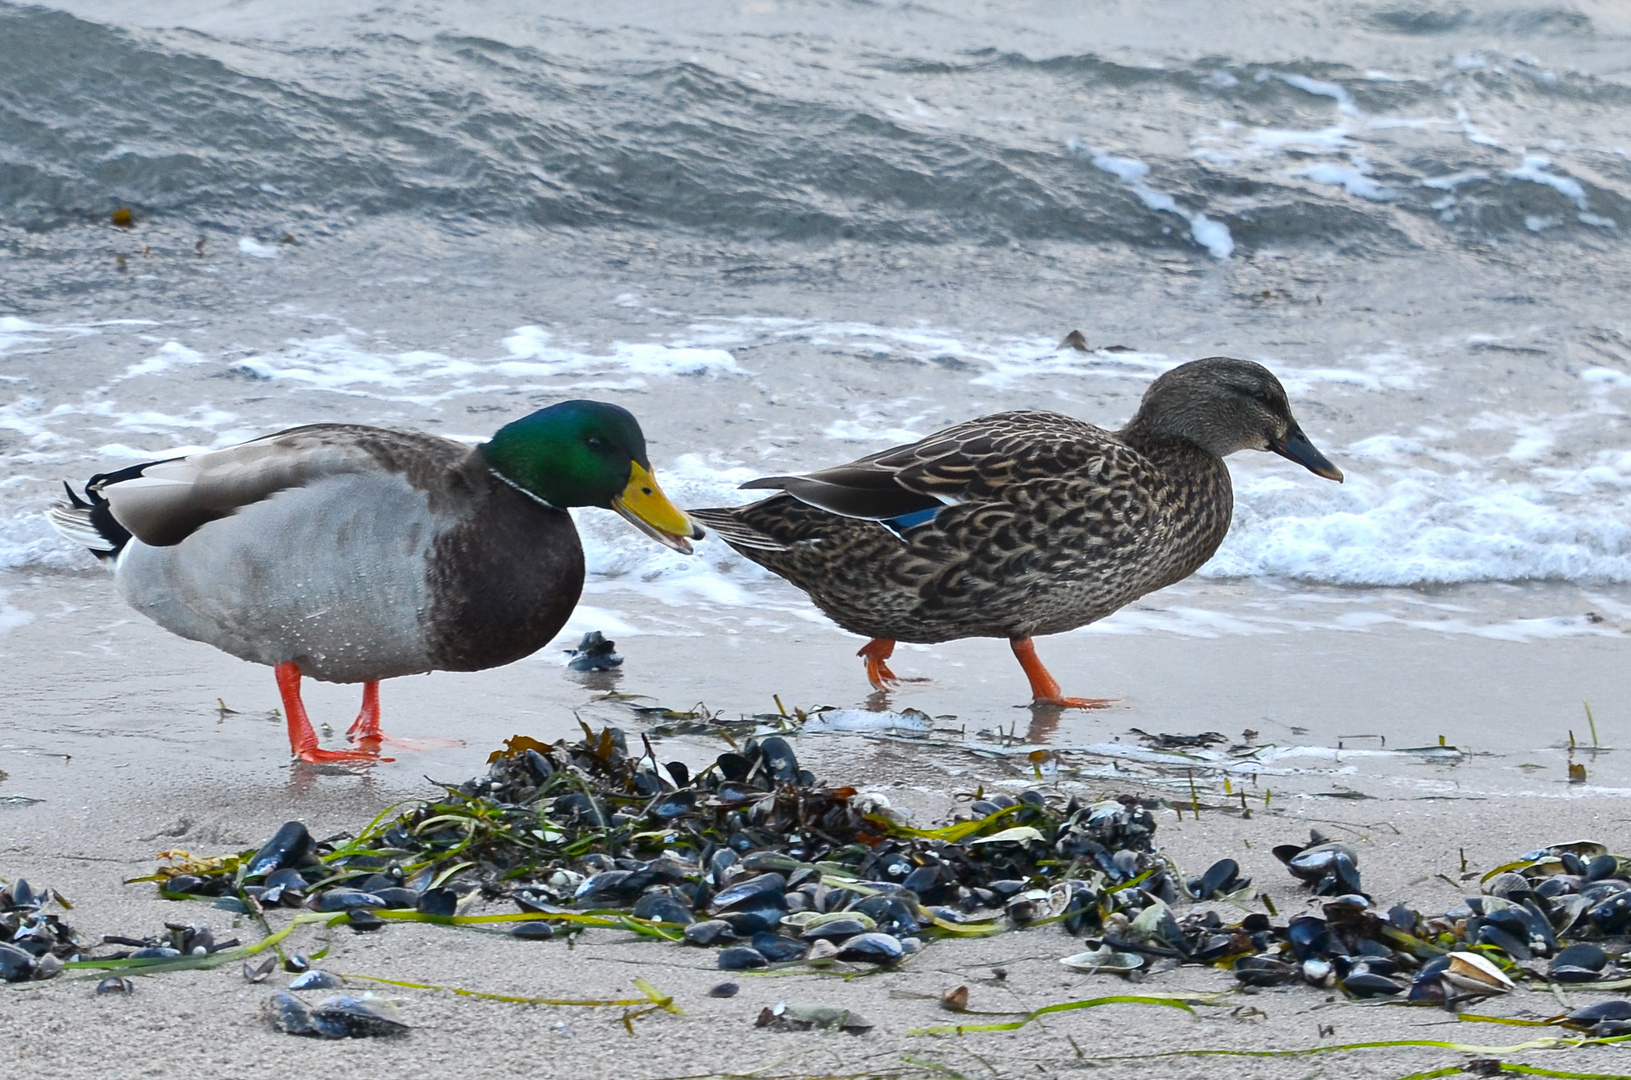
355,554
1020,523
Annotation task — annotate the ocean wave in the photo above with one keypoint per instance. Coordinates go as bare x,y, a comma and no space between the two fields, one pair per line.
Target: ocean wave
463,132
1498,498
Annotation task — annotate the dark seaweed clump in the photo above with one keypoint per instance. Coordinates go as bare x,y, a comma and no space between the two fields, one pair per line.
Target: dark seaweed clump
753,854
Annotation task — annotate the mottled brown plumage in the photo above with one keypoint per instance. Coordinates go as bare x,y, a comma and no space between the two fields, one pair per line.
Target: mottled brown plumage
1034,522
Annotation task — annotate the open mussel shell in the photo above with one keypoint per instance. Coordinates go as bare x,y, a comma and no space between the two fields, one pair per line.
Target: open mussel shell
1476,974
1309,936
16,964
1579,964
1331,869
334,1017
872,948
1105,959
360,1018
316,979
778,759
741,958
777,949
289,847
661,905
751,891
1362,982
1221,879
442,902
1509,886
343,899
709,932
1613,914
1029,906
21,896
898,916
1604,1018
839,926
1265,971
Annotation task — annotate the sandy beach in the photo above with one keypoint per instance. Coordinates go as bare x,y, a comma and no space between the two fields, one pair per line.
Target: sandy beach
140,760
789,234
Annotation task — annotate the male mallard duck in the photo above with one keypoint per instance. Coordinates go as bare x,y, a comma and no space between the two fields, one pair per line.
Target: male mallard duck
1020,523
355,554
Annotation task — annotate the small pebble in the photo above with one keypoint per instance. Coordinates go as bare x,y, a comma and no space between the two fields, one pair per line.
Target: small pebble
533,931
725,989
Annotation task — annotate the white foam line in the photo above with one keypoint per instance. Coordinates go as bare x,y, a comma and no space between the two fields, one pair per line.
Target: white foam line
1345,102
1534,169
1208,233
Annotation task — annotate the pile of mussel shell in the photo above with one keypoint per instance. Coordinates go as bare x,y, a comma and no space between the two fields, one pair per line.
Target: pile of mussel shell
751,855
1561,914
34,943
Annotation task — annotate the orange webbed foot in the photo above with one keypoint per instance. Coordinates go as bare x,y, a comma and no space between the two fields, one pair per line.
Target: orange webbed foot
316,755
366,734
876,653
303,740
1073,703
411,745
1044,688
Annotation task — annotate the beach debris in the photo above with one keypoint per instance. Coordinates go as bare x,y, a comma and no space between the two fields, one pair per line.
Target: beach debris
178,940
1105,959
784,1017
34,943
337,1017
316,979
1605,1019
1164,741
1330,868
1221,879
258,971
753,856
1580,963
594,653
115,984
1476,974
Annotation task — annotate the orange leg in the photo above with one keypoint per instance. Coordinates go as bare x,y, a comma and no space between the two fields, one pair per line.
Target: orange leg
876,652
366,726
1044,689
302,739
365,732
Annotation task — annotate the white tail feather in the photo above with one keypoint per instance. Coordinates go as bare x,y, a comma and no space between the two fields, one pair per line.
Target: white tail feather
73,523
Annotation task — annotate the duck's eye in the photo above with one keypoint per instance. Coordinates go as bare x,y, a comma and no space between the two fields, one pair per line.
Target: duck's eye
1261,395
595,442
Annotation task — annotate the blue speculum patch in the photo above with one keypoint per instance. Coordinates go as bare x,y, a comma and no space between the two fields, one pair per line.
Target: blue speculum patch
899,525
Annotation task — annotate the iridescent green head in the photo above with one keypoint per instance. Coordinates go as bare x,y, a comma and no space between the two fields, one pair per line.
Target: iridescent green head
588,453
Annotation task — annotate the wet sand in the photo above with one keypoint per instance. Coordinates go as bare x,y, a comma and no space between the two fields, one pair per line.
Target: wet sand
117,733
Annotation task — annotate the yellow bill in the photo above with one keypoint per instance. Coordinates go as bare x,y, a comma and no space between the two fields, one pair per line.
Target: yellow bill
649,510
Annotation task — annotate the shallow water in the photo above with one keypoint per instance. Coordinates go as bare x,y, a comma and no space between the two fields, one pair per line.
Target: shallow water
793,234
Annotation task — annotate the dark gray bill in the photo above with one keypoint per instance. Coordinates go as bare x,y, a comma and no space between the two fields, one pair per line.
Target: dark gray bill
1295,445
